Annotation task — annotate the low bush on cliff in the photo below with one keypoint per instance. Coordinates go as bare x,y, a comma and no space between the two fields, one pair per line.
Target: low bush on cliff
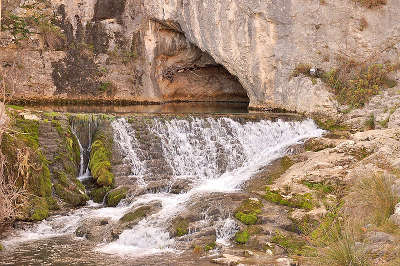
371,3
355,87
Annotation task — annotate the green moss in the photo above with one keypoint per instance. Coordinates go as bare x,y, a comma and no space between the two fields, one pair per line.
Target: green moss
304,201
329,124
137,215
284,164
242,237
70,195
39,209
100,160
210,246
1,247
15,107
248,210
181,227
321,187
98,194
115,196
291,244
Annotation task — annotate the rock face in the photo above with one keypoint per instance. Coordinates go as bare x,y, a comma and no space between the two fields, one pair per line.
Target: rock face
156,50
261,42
105,51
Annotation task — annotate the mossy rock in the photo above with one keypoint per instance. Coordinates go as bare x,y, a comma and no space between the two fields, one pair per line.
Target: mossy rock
180,227
98,194
300,201
115,196
242,237
136,215
39,209
248,211
72,196
210,246
100,159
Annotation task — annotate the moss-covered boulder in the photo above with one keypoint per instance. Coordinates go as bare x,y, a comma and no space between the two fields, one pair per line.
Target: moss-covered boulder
115,196
98,194
39,209
248,211
100,158
180,227
136,215
242,237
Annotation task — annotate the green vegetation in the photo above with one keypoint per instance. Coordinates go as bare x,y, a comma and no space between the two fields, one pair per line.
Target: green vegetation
210,246
370,122
284,164
357,89
18,26
181,226
248,210
1,247
98,194
39,209
291,244
15,107
242,237
304,201
352,83
137,215
100,159
115,196
321,187
105,86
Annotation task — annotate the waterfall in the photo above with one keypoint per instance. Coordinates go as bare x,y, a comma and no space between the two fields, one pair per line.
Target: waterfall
215,155
210,155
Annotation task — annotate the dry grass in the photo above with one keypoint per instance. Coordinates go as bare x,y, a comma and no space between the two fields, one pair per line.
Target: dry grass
373,199
12,195
344,250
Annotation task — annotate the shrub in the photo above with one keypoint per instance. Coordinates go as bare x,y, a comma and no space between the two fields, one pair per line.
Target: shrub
242,237
371,3
354,85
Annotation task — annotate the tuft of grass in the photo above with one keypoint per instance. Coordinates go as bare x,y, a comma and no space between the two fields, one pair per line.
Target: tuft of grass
370,122
302,69
375,198
346,250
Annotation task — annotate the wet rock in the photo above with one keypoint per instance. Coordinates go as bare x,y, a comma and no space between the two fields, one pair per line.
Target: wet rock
141,212
96,230
228,259
180,186
115,196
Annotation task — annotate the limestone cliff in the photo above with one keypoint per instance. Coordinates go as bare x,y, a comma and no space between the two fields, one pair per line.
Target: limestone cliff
153,50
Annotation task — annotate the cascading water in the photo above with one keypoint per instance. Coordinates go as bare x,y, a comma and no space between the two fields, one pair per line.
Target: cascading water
211,155
215,155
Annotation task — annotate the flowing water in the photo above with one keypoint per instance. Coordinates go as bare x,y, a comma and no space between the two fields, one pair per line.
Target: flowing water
210,156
